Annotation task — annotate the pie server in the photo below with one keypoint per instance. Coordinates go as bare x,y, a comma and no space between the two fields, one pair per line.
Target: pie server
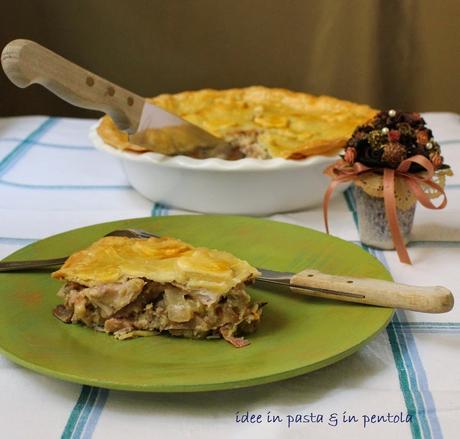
26,62
367,291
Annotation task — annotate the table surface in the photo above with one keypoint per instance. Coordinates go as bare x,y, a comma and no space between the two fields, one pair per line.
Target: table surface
405,382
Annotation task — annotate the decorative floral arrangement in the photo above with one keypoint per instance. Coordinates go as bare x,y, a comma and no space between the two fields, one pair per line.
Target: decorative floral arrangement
394,161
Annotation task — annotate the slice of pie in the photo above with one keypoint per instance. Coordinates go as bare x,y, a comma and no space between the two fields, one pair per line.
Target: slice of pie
132,287
257,122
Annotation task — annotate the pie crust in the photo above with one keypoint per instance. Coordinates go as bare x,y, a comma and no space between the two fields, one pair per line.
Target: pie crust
163,260
260,122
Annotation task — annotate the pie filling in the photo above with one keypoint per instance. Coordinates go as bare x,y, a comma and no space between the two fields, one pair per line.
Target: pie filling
240,144
142,307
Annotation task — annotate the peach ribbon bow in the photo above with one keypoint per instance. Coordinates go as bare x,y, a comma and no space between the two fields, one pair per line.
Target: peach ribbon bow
342,172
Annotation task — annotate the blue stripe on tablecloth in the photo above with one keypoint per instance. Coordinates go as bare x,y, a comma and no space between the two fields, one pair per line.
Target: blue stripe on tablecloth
410,359
49,145
60,187
350,200
405,370
32,140
76,412
427,327
16,241
10,159
86,413
403,381
159,209
154,211
429,330
426,408
94,414
411,373
165,211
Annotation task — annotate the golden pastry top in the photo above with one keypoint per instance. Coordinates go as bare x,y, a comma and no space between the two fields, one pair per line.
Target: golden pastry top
290,124
164,260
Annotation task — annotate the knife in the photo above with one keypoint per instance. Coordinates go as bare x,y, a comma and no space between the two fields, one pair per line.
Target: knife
431,299
26,62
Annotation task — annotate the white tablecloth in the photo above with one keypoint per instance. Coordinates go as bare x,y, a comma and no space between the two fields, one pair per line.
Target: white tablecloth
52,180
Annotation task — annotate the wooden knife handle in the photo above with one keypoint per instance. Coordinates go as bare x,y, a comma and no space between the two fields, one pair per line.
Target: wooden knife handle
26,62
374,292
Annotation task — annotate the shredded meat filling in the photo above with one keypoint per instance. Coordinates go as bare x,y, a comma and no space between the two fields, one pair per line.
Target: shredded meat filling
247,143
240,144
139,307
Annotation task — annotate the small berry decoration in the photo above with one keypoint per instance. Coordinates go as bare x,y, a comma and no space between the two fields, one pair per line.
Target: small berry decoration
392,161
391,137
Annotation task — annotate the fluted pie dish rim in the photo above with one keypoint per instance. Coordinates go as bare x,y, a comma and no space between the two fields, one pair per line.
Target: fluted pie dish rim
212,163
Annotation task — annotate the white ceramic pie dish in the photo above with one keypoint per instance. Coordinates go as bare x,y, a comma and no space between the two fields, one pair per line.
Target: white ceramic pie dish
241,187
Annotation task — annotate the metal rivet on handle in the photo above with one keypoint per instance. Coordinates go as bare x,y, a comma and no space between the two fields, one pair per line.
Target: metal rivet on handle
89,81
130,101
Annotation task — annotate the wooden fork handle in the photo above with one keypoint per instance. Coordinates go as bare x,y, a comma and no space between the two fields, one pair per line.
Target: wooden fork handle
26,62
374,292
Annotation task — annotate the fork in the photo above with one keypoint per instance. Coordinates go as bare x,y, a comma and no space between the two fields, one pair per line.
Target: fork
433,299
49,263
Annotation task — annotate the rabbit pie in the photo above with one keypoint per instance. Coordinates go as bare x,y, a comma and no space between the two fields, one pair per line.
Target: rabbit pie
135,287
256,122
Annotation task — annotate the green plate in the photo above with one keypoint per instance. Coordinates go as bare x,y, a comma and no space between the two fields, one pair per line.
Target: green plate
297,334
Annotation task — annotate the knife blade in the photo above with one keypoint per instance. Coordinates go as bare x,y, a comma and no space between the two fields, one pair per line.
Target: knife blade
158,127
25,62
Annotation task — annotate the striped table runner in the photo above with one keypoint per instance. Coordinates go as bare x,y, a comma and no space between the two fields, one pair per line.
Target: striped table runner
403,384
